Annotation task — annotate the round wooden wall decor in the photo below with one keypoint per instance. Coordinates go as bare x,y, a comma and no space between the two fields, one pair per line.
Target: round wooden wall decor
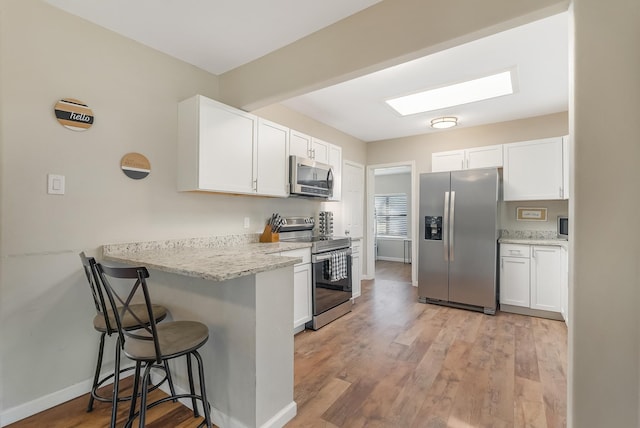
74,114
135,166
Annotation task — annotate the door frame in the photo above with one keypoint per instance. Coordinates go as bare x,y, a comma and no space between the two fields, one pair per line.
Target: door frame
370,232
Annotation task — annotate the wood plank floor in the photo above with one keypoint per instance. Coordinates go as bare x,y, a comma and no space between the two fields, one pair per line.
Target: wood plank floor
394,362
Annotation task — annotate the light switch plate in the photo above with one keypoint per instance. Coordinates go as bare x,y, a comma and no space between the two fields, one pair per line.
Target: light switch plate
55,184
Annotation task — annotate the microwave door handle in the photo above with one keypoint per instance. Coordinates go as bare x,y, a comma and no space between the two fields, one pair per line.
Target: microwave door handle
330,180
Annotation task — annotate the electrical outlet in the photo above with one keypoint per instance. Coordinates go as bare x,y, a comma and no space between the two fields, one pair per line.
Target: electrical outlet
247,223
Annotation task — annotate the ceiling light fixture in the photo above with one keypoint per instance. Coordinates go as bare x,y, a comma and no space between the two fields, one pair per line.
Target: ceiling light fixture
470,91
444,122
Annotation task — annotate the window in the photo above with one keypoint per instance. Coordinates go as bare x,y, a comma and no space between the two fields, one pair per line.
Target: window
391,215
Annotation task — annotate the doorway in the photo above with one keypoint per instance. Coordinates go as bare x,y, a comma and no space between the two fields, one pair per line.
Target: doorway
391,219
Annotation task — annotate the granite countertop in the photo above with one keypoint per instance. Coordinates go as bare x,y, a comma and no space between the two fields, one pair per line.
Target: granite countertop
532,237
531,241
215,259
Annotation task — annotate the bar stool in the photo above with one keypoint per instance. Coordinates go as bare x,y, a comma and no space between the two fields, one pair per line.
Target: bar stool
154,343
105,323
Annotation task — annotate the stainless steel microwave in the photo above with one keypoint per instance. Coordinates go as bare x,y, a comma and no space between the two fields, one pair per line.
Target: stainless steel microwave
563,227
310,178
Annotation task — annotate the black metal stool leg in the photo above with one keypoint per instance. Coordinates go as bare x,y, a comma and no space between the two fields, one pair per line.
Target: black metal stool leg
116,386
96,376
203,390
143,398
170,380
134,393
192,388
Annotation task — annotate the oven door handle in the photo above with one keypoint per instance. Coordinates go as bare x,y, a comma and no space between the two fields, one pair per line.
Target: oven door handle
317,258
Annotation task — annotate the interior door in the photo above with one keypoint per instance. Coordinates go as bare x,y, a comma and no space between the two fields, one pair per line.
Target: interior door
353,200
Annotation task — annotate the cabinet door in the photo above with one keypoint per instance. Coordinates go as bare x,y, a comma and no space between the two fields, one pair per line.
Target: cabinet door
320,151
447,161
565,167
226,158
299,144
301,294
533,170
546,278
514,281
356,269
271,178
335,160
484,157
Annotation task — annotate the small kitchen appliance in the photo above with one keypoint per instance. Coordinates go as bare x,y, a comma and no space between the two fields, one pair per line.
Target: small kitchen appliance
331,275
563,227
310,178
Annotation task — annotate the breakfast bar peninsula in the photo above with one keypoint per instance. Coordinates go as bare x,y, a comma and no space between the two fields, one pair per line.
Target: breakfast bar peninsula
243,291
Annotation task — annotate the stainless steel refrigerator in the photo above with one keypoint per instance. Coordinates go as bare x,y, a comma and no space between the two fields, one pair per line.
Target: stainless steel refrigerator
458,239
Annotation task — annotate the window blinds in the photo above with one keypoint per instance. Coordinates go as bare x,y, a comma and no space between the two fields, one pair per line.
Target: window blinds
391,215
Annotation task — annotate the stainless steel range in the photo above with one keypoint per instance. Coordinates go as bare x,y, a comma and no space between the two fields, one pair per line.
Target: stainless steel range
331,270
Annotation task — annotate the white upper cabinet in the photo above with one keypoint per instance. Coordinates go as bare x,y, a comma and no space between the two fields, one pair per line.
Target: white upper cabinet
565,167
320,151
223,149
452,160
273,140
309,147
533,170
215,147
484,157
299,144
477,157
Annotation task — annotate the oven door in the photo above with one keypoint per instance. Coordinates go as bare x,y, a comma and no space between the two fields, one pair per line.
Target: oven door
328,294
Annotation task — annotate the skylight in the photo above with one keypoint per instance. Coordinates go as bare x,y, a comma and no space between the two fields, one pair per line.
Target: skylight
480,89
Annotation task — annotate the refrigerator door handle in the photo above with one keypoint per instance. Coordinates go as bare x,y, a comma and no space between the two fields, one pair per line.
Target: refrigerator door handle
452,256
445,227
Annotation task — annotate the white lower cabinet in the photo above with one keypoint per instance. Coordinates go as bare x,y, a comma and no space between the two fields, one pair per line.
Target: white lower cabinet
514,281
546,278
356,268
301,288
564,305
531,276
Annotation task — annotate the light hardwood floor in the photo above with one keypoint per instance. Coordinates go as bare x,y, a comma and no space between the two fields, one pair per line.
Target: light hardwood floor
394,362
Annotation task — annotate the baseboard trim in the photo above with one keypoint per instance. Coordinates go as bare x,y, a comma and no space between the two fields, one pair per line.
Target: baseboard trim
45,402
390,259
221,419
48,401
282,417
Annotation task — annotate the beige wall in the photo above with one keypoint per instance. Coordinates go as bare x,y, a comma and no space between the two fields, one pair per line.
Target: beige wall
604,342
420,147
48,343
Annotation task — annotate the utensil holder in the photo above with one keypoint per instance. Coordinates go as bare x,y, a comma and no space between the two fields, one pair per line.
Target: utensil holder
269,236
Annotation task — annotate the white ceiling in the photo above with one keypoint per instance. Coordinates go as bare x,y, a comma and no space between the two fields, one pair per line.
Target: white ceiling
219,35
